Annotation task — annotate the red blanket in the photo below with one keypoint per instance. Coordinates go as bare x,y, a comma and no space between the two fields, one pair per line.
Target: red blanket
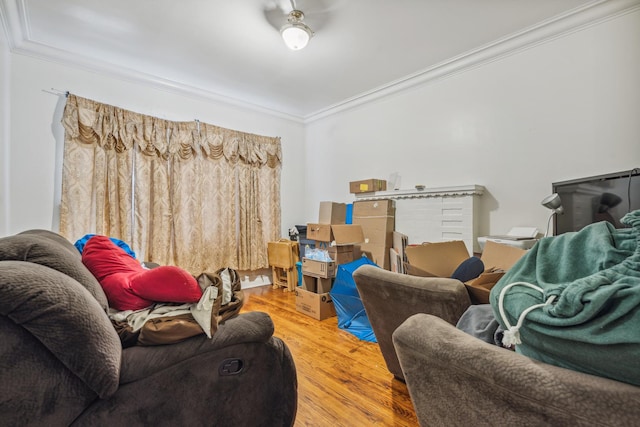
128,285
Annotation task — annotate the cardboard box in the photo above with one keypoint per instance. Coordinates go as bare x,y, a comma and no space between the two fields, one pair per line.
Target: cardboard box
497,259
341,254
385,207
319,285
377,230
309,283
378,253
437,259
377,219
332,213
283,253
319,232
442,259
347,234
338,234
500,256
318,306
367,186
312,267
480,287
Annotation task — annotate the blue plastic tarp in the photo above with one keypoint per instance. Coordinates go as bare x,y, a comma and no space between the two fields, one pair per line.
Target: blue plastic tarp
349,309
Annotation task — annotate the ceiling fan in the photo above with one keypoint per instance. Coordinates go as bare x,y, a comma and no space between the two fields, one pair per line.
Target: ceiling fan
287,16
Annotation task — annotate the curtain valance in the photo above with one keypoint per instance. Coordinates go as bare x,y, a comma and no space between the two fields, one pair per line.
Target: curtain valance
113,128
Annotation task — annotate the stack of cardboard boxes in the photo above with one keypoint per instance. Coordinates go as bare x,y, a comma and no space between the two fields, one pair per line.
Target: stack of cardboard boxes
337,239
377,219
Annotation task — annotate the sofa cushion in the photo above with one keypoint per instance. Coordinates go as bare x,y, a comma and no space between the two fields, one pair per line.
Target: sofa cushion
128,285
66,318
54,251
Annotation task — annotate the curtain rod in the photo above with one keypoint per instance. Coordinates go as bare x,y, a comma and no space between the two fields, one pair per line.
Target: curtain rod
58,92
66,93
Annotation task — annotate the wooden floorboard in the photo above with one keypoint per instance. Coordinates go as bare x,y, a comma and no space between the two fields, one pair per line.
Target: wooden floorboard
342,381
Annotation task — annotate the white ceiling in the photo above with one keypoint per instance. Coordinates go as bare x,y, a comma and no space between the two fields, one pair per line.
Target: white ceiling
231,49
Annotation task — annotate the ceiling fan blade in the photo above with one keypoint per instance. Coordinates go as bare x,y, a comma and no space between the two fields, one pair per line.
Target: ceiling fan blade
316,21
317,13
275,18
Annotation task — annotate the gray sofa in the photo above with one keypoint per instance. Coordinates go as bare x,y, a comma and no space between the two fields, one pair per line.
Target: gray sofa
62,361
455,379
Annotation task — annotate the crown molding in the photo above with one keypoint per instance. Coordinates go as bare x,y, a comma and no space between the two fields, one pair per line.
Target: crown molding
562,25
11,23
48,53
15,22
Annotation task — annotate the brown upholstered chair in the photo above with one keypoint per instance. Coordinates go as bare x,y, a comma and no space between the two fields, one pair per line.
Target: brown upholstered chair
390,298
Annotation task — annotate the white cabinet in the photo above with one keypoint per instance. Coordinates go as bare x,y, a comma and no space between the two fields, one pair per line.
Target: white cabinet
436,214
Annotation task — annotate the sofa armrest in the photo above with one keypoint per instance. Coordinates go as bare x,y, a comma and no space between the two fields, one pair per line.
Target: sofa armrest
390,298
456,379
63,315
143,361
242,376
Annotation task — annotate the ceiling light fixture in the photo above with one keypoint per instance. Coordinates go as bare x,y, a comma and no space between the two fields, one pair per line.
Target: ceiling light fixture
296,34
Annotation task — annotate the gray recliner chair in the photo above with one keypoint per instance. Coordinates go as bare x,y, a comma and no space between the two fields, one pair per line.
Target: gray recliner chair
63,364
390,298
455,379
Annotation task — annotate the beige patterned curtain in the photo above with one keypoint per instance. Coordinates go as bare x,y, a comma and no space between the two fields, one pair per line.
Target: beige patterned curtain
180,193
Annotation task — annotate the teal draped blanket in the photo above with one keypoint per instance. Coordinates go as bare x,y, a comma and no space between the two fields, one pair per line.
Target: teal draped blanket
593,325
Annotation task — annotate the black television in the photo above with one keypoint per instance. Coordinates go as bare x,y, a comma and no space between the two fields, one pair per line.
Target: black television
597,198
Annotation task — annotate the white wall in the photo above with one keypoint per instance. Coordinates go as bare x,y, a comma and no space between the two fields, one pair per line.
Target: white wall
36,135
565,109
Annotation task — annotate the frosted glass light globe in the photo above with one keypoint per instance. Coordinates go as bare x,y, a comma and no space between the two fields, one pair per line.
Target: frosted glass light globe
295,36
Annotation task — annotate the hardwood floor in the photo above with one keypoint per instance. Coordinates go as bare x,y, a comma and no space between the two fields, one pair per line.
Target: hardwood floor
342,381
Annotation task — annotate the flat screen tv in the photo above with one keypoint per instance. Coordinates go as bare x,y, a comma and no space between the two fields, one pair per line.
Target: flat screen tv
597,198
